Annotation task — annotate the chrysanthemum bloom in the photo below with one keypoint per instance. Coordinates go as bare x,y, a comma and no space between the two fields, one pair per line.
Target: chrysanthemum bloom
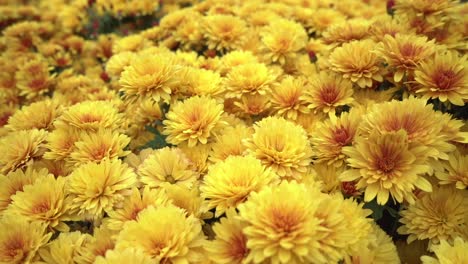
20,239
230,182
413,116
117,63
328,91
145,78
64,248
190,200
19,148
97,146
380,250
178,238
280,230
403,52
445,253
253,78
229,143
326,176
133,42
386,25
356,61
44,201
224,32
445,77
322,18
230,243
60,143
129,255
133,205
90,116
282,146
338,34
283,39
201,82
102,240
33,78
287,97
386,164
426,8
236,58
455,171
193,121
251,106
440,215
198,157
38,115
330,136
15,181
96,188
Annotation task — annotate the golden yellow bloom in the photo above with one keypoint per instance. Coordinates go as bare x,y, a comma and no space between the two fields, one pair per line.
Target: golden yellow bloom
229,142
133,205
353,29
403,52
287,97
328,91
102,240
322,18
356,61
60,143
448,254
224,32
97,146
440,215
236,58
444,77
148,112
64,248
386,25
198,157
358,224
189,199
386,164
90,116
38,115
20,239
167,166
130,43
425,7
455,171
230,243
117,63
193,121
230,182
178,238
144,78
20,148
283,39
249,106
96,188
33,78
281,145
252,78
200,82
129,255
44,201
330,136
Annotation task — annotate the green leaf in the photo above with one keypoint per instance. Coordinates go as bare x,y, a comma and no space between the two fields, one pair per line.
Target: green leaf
377,210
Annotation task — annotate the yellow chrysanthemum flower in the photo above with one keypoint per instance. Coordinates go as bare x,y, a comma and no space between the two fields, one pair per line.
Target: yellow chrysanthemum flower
386,164
330,136
96,188
236,58
20,148
33,78
356,62
167,166
97,146
198,157
283,39
224,32
133,42
178,238
64,249
403,52
43,201
446,253
60,144
102,240
230,243
193,121
249,79
281,145
323,18
440,215
340,33
455,171
200,82
38,115
90,116
145,78
129,255
20,239
133,205
444,77
117,63
189,199
230,182
327,91
229,142
287,97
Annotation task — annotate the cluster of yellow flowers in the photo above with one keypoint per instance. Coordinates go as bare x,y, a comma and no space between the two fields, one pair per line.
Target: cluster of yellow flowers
234,131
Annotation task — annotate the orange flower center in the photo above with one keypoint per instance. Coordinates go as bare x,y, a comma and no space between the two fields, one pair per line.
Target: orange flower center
444,79
342,137
14,248
238,247
284,221
4,119
38,84
329,94
41,208
386,165
99,153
